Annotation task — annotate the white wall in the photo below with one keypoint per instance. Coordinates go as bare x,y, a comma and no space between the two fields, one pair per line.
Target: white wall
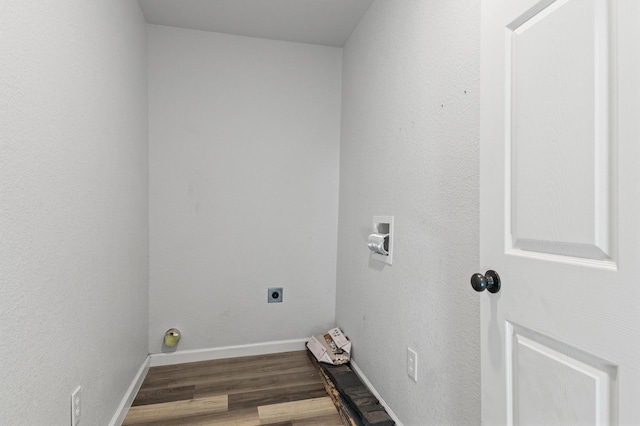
244,159
73,207
410,149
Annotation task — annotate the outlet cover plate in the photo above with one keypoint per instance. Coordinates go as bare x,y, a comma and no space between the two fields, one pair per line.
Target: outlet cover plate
274,295
412,364
76,412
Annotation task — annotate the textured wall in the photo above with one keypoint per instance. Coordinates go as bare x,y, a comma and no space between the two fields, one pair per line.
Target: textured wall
244,159
73,207
410,149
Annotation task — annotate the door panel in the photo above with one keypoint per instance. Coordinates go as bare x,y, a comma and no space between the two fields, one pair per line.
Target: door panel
560,211
558,131
552,383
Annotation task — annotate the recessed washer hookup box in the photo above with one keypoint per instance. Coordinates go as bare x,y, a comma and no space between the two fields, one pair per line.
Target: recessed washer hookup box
332,348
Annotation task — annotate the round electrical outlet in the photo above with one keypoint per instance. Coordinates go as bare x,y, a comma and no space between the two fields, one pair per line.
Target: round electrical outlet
274,295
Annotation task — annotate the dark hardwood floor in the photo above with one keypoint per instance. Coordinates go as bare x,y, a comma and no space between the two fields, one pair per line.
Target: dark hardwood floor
280,389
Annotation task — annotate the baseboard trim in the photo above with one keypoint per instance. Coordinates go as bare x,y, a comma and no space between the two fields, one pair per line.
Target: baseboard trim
195,355
127,400
373,390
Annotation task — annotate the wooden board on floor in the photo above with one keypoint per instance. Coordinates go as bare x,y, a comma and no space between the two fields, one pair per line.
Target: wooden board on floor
354,401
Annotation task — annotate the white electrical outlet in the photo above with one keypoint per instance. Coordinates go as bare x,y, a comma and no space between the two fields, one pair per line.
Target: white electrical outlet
412,364
75,406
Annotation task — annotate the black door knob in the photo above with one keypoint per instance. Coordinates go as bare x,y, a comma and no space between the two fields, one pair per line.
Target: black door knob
489,281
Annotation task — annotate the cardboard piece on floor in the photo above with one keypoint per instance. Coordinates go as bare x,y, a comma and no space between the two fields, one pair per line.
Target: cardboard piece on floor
332,348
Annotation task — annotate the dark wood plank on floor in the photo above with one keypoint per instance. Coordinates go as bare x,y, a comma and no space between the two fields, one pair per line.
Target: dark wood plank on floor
220,370
276,396
277,389
156,396
263,383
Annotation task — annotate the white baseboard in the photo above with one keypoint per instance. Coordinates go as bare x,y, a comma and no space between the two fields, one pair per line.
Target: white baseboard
373,390
195,355
127,400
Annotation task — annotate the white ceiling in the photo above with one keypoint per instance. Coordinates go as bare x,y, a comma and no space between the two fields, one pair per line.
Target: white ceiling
327,22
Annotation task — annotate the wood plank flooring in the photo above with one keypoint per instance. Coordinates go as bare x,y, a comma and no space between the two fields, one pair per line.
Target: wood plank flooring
279,389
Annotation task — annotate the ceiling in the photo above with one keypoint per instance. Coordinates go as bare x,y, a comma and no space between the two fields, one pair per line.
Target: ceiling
326,22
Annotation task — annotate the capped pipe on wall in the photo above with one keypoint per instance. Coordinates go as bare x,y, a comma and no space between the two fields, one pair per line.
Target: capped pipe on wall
171,337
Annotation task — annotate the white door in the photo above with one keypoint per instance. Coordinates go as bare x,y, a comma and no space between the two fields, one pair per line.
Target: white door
560,211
